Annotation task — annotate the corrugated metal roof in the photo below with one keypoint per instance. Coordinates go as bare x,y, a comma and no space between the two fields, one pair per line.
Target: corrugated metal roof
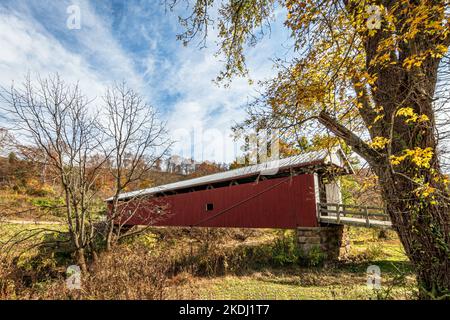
267,168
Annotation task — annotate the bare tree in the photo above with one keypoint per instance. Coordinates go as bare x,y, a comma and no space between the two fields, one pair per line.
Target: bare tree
54,116
136,142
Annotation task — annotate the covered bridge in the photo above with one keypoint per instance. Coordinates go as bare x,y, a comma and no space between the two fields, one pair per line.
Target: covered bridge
299,192
278,194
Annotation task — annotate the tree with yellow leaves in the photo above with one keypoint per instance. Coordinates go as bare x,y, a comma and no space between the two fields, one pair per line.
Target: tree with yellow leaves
367,71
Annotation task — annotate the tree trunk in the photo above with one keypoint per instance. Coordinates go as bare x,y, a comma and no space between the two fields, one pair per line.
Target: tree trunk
421,223
423,228
420,218
112,217
81,259
93,253
109,235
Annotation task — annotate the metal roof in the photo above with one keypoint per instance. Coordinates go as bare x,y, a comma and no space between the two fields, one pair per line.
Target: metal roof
266,168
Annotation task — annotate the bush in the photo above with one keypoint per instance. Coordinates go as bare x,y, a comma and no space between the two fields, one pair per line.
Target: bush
36,188
284,250
211,258
128,272
7,283
373,252
51,205
313,258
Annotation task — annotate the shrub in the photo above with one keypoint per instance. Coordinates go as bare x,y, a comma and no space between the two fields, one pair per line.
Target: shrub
51,205
373,252
36,188
313,258
285,250
210,257
128,272
47,202
7,284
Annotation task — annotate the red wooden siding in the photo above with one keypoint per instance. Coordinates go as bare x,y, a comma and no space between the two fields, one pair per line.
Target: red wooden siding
275,203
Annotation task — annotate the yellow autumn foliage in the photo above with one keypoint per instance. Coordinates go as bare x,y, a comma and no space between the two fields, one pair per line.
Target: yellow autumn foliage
379,143
411,116
420,157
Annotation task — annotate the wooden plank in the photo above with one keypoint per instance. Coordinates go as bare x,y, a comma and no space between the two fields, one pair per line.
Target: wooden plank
326,204
356,222
354,211
361,212
354,215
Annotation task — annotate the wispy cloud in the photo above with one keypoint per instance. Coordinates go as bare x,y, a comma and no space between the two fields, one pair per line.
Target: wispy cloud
135,41
29,49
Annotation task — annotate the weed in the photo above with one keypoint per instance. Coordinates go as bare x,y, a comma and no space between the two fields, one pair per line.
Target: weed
373,252
285,251
315,257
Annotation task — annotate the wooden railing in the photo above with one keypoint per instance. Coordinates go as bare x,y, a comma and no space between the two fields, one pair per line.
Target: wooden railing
367,215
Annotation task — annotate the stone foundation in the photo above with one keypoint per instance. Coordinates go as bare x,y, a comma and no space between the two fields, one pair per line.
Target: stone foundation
327,239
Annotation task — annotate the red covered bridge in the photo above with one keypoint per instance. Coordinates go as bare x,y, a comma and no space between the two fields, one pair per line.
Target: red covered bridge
277,194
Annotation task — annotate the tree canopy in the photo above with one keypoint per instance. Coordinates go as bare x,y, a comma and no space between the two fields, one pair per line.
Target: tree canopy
375,75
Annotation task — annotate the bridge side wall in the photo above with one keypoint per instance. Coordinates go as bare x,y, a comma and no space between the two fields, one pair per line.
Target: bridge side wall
326,240
287,202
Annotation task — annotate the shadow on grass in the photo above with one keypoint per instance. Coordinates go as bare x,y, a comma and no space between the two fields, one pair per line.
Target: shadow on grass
386,266
342,273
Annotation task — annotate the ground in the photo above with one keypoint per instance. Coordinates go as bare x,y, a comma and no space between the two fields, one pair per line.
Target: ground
266,277
346,279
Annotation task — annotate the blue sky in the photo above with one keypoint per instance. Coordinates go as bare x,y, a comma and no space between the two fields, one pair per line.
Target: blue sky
136,41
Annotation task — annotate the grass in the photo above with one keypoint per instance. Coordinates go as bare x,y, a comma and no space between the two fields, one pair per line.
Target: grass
21,240
16,205
20,206
260,287
343,280
300,284
8,230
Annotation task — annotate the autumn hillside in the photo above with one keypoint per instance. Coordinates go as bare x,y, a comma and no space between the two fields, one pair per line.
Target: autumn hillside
29,190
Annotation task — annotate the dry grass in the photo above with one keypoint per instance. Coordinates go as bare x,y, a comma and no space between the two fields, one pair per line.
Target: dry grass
128,272
214,264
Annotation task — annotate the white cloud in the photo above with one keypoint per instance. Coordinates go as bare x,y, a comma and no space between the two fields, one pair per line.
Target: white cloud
28,47
205,108
25,49
96,39
96,58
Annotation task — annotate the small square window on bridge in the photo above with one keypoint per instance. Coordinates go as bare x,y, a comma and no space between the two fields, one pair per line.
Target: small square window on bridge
209,207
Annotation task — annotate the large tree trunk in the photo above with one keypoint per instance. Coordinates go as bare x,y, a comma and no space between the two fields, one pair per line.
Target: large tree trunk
422,222
420,218
423,229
